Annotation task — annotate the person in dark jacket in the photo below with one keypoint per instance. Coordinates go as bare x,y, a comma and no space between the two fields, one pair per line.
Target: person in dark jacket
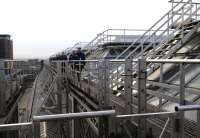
80,54
74,56
81,57
81,65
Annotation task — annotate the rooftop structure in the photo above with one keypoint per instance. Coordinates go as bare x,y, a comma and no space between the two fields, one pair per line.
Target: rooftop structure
6,47
132,85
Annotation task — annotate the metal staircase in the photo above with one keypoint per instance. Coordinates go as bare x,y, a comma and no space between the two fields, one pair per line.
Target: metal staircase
177,33
176,27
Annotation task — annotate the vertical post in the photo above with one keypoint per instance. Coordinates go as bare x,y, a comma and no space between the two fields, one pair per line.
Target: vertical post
89,77
20,77
191,8
117,77
198,123
60,73
67,100
178,121
127,85
36,130
168,26
182,25
172,12
182,97
182,84
161,80
76,121
59,87
72,126
196,11
104,96
142,96
124,37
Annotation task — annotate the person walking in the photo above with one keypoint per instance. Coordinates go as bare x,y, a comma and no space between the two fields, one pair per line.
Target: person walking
81,57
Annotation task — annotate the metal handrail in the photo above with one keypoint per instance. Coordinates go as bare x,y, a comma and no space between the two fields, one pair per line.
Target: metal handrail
151,28
194,61
161,45
74,115
105,36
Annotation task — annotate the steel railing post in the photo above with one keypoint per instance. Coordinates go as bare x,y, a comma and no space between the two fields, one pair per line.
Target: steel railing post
161,80
104,83
127,85
59,86
198,123
182,97
36,130
104,97
89,77
141,96
178,121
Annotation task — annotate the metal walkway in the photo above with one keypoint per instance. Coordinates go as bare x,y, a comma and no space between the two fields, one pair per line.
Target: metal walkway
150,90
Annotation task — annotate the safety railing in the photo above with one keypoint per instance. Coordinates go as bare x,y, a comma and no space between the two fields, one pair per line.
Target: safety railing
139,97
120,83
33,129
120,37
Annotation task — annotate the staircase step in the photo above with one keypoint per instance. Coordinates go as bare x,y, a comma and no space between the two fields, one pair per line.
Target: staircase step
192,23
188,27
174,39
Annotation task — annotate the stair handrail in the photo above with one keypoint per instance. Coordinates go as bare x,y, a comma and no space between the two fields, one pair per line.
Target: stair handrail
92,43
105,37
151,28
177,28
170,35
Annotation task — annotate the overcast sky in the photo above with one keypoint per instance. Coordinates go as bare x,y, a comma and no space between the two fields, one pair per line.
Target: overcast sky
40,28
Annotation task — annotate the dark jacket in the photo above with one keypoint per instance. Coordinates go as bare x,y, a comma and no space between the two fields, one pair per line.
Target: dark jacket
81,56
74,57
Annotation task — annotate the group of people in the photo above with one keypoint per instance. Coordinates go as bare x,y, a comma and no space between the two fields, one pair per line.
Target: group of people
76,59
77,55
77,65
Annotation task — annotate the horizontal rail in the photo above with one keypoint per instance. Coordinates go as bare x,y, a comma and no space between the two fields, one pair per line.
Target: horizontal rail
132,30
187,108
16,126
172,1
193,61
74,115
148,115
